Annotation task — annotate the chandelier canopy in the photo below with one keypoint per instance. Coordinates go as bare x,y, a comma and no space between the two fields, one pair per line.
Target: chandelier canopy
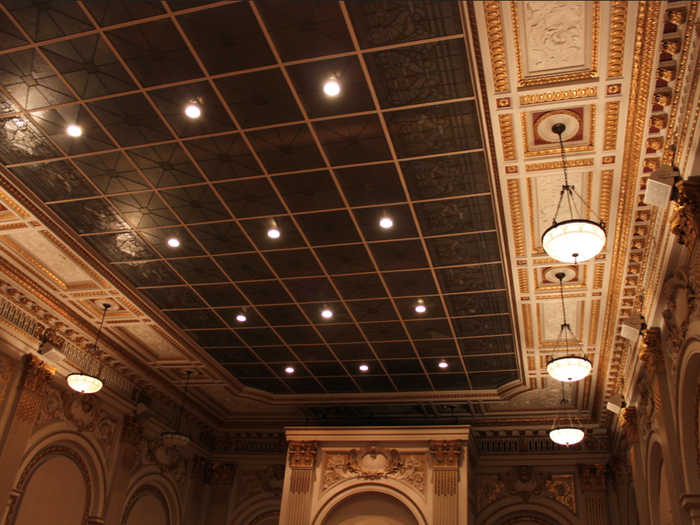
84,382
569,367
577,239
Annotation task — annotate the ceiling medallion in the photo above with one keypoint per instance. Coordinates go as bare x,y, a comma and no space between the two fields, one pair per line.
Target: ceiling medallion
84,382
569,367
576,239
544,126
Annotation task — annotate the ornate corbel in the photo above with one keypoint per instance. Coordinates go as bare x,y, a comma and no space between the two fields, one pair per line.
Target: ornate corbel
131,430
222,473
685,220
592,476
650,352
629,424
37,375
446,453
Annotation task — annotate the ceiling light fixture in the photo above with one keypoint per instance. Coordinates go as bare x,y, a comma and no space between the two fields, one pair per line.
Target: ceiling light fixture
420,307
289,369
386,223
175,438
573,240
566,430
241,318
331,88
327,313
193,111
273,233
74,131
363,368
570,367
84,382
443,364
173,243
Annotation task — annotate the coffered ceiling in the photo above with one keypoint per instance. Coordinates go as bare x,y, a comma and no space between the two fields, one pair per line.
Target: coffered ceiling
442,124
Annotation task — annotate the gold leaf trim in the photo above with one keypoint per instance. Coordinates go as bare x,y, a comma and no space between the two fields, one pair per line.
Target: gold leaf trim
598,275
522,280
494,30
527,324
612,116
505,122
555,96
516,211
595,318
618,26
557,164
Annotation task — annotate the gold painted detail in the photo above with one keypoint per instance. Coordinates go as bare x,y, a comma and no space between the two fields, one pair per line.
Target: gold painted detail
652,163
543,166
76,260
506,123
516,210
672,47
526,483
497,50
522,279
595,317
666,73
12,204
14,226
612,116
662,98
569,149
618,23
676,15
606,181
554,96
598,275
656,143
527,325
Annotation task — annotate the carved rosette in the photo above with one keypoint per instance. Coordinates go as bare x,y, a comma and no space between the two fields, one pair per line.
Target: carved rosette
629,424
302,454
445,454
593,476
37,375
650,352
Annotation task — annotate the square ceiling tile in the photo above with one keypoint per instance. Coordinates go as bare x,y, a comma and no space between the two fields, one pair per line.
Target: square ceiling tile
386,23
230,316
309,353
384,331
306,29
447,217
249,370
245,267
371,185
131,120
351,351
375,383
485,363
303,385
221,237
412,283
437,348
451,176
23,142
165,165
195,319
172,101
195,204
120,247
487,345
412,383
399,255
224,157
480,303
283,315
226,38
312,191
394,349
215,338
274,354
311,289
482,325
261,98
404,226
47,20
54,123
402,366
173,298
351,258
333,227
265,292
31,81
198,270
373,310
429,329
155,52
353,140
433,305
115,12
304,335
144,210
221,295
450,381
362,286
310,77
10,35
332,368
288,148
250,198
55,181
111,173
159,237
258,336
314,311
475,248
89,66
233,355
149,273
294,263
471,278
90,216
341,333
289,234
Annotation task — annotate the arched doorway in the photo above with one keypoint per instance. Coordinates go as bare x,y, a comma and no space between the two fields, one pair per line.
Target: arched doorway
370,508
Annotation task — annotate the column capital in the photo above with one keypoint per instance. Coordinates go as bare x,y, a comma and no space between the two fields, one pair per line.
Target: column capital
222,473
592,476
446,453
131,430
650,352
685,220
302,454
37,375
629,424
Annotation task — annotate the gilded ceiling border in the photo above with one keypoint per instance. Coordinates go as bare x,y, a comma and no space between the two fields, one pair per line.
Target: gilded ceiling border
516,211
612,116
618,29
640,85
562,77
494,31
556,96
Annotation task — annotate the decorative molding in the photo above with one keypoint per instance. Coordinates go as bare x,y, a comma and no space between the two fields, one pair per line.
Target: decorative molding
629,424
650,352
222,473
445,454
132,430
505,122
555,96
494,30
557,164
685,220
302,454
37,375
612,116
6,368
270,480
142,491
526,483
592,476
516,212
618,26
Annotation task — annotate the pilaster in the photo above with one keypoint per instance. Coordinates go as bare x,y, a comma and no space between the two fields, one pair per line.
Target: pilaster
297,501
126,456
222,476
595,494
445,480
193,501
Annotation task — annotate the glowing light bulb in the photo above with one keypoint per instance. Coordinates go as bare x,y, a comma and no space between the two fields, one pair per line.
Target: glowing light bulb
273,233
420,308
193,111
174,243
386,222
74,131
331,88
327,314
241,318
363,368
289,369
443,364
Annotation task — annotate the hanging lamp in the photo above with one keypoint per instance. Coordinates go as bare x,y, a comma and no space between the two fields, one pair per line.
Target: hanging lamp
569,367
176,438
574,240
82,381
566,430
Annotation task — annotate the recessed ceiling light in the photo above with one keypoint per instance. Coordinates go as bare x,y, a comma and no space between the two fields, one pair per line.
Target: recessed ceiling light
193,111
289,369
174,243
273,233
420,308
19,122
74,131
363,368
443,364
331,88
386,222
241,318
327,314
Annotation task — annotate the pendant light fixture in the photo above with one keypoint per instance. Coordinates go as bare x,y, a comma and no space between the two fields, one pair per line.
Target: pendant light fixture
576,239
175,438
566,429
84,382
569,367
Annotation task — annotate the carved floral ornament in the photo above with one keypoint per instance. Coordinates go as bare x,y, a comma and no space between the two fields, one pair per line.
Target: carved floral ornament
685,220
629,424
683,307
592,476
650,352
302,454
445,454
